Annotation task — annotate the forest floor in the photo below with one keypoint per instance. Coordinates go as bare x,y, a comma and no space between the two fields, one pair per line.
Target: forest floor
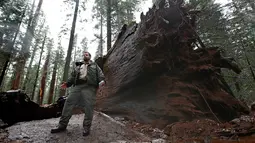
104,129
240,130
119,130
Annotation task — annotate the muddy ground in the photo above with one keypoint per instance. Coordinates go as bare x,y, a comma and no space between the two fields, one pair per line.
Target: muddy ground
119,130
104,130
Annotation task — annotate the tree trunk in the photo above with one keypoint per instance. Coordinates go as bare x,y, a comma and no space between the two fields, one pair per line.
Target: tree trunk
101,34
118,16
56,88
3,85
11,47
43,80
4,69
38,68
109,25
30,65
75,47
1,38
32,59
19,69
53,80
129,14
154,75
70,47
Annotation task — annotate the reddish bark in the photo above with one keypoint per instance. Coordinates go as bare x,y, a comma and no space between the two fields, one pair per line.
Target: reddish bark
24,54
16,82
154,74
53,80
37,71
43,80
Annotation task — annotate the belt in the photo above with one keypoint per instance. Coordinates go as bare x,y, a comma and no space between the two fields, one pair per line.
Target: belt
80,81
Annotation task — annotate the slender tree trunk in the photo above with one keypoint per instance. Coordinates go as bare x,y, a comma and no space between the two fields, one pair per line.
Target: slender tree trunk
43,80
10,46
70,47
109,34
101,33
36,16
30,65
3,85
39,63
4,70
129,16
118,17
56,88
1,38
75,47
53,80
32,59
19,69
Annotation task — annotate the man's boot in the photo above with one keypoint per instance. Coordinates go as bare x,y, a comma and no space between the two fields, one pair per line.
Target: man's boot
58,129
86,132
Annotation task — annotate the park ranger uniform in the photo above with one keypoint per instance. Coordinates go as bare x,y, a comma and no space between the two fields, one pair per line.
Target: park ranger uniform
84,81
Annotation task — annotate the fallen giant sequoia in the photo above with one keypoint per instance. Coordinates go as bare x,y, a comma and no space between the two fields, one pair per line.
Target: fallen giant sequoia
159,70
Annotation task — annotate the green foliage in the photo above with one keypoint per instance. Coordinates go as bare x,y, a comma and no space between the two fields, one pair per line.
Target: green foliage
211,24
231,27
242,37
122,12
10,17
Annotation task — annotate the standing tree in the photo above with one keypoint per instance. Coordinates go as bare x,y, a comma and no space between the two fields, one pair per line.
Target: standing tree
45,72
241,32
53,78
109,34
38,68
84,44
70,46
99,13
9,48
35,48
24,54
211,23
60,70
115,14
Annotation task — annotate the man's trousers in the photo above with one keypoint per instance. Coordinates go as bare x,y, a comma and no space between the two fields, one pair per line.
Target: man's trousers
82,96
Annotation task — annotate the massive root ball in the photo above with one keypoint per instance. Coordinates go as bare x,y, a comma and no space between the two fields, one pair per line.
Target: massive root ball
159,70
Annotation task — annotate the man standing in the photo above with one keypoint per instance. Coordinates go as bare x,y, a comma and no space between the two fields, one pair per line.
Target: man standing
85,79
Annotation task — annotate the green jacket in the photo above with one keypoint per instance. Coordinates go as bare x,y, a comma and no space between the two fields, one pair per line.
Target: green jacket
94,75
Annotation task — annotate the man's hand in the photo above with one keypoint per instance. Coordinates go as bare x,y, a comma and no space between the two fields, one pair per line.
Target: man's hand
63,85
101,84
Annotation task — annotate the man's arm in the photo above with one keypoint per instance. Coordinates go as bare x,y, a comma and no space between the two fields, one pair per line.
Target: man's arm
101,77
71,79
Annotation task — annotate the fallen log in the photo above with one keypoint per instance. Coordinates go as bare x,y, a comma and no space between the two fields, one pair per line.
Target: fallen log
158,72
16,106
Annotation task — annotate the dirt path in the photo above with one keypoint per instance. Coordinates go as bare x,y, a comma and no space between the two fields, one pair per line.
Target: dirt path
104,130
